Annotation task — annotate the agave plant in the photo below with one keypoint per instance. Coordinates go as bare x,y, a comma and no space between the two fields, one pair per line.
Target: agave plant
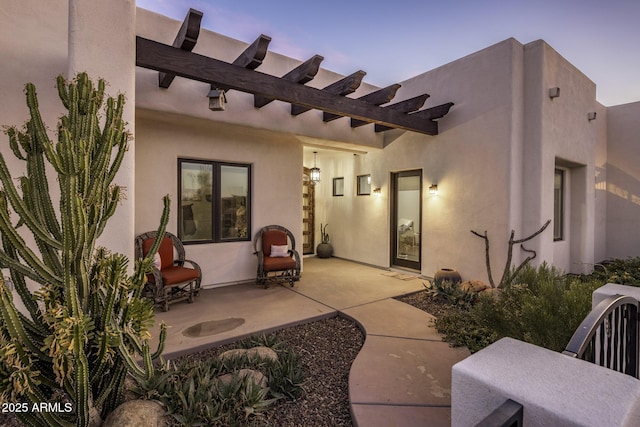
82,331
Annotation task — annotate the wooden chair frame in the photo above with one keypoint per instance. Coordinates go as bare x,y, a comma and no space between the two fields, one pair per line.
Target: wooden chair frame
160,293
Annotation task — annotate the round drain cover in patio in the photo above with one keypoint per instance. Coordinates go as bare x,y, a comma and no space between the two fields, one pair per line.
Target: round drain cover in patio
212,327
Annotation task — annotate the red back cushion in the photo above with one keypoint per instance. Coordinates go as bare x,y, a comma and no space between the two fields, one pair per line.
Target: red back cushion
273,237
165,251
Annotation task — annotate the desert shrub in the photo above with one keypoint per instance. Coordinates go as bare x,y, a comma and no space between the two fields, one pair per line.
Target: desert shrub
620,271
193,394
542,306
462,327
452,293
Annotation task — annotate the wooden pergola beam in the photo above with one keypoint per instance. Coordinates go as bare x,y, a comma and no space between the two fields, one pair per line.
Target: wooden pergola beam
406,106
186,39
161,57
378,97
431,114
302,74
342,87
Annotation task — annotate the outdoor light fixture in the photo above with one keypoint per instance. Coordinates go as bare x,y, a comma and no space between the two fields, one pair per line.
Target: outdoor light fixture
554,92
216,99
377,192
315,171
433,189
591,115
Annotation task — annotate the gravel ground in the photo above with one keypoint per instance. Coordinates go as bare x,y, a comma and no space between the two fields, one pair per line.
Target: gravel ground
328,348
426,302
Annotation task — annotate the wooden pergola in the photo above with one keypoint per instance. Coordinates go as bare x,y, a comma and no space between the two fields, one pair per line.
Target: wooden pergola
241,75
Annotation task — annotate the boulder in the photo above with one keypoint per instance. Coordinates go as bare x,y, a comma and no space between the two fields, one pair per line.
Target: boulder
255,377
137,413
263,353
474,285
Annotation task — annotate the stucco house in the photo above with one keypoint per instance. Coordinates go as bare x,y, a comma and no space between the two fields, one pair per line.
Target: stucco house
524,141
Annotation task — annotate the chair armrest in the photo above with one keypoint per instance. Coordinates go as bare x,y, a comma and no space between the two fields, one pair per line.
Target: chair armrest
195,266
296,256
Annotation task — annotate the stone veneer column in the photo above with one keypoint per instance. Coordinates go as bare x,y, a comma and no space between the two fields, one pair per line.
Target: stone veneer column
102,43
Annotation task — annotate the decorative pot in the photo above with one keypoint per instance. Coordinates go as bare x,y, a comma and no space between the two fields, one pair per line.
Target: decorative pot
324,250
448,275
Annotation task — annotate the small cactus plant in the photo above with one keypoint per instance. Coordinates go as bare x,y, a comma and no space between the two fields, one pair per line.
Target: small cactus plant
323,233
81,333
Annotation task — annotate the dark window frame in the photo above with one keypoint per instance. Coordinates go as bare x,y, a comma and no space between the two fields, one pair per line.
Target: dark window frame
559,204
216,201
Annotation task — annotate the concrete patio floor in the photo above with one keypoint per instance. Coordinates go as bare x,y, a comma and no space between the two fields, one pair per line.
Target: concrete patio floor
402,375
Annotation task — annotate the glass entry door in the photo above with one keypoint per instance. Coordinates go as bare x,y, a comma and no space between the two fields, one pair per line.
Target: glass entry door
406,223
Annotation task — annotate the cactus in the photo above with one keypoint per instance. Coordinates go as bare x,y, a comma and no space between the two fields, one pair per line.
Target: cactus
84,330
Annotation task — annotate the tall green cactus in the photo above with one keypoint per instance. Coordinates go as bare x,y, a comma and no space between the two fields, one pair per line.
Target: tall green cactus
82,332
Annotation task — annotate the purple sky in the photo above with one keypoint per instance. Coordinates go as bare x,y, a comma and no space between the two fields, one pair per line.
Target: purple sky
395,40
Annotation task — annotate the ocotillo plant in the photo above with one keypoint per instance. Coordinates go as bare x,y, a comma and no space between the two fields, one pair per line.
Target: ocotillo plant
84,328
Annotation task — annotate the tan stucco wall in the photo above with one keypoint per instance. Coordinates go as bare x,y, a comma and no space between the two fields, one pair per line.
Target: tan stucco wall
162,138
623,181
468,160
557,131
45,39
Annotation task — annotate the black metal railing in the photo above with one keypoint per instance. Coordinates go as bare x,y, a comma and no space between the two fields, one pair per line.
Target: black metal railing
608,336
509,414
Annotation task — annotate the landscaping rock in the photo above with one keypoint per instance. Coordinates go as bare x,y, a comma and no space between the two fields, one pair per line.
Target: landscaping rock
255,377
264,353
474,285
137,413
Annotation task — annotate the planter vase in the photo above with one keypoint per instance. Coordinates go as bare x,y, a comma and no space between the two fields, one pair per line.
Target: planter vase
324,250
448,275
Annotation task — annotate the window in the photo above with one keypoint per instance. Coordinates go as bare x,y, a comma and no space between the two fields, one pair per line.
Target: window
214,201
338,186
558,205
364,185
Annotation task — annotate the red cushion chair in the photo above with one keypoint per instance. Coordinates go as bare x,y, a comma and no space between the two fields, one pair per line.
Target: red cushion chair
278,259
170,280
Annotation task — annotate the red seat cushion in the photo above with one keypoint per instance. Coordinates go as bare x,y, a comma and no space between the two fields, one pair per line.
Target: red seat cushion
278,264
175,275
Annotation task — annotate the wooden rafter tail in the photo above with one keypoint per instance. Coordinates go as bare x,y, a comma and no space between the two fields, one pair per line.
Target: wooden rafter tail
186,39
378,97
302,74
406,106
429,114
342,87
253,55
436,112
251,58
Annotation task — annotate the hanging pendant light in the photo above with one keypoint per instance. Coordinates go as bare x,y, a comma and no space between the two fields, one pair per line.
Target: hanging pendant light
315,171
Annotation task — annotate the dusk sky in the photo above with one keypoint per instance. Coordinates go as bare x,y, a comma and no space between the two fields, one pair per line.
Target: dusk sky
395,40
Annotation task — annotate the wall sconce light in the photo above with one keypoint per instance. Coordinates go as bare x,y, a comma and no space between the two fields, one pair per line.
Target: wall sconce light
591,115
377,192
433,189
217,99
554,92
315,171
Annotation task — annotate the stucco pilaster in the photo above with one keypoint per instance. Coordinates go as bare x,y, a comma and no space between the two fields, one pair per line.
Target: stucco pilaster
102,43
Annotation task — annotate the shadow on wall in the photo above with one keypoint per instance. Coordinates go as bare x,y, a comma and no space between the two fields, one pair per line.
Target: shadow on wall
623,212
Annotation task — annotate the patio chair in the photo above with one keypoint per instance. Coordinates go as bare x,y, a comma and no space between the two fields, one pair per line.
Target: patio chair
171,281
278,260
